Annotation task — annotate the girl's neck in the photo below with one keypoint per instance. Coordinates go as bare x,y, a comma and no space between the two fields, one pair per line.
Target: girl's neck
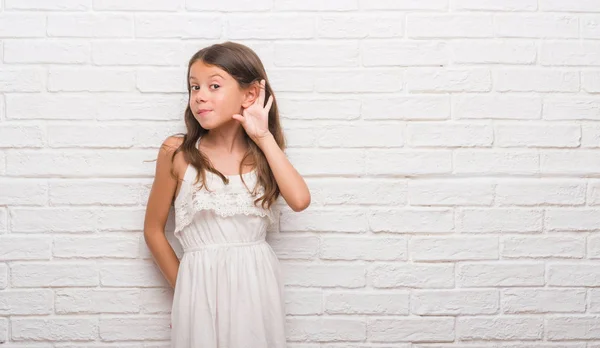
229,140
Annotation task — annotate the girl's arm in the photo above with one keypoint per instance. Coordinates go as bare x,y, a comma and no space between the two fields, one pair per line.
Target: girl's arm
157,211
292,186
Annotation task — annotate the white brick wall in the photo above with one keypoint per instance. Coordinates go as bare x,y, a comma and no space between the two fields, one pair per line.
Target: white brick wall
452,148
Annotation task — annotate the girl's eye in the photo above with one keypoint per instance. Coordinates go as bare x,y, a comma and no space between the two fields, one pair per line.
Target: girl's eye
194,88
214,86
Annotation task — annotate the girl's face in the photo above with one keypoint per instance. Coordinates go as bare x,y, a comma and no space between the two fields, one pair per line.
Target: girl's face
215,95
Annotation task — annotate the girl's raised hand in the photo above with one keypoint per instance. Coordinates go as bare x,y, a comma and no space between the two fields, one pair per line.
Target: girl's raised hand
255,118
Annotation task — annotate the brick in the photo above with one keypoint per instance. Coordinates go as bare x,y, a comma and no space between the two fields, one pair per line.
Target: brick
425,80
454,302
360,26
414,220
97,25
425,5
54,274
569,162
450,192
483,51
347,191
546,26
25,248
500,328
535,192
404,53
523,301
98,192
90,80
453,248
369,249
590,135
228,5
570,53
3,276
571,6
328,275
135,328
536,80
131,274
500,274
593,195
537,135
590,80
372,302
54,329
22,25
23,192
319,54
475,161
416,107
590,26
499,220
325,329
411,329
543,247
572,327
495,5
21,79
358,136
96,247
138,5
333,162
449,26
130,52
295,247
159,300
271,26
572,108
571,275
449,134
572,219
26,302
411,275
363,81
46,52
91,301
315,5
61,5
497,107
304,301
408,162
180,26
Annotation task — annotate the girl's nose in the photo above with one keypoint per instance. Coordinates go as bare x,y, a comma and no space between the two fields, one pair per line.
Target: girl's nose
201,95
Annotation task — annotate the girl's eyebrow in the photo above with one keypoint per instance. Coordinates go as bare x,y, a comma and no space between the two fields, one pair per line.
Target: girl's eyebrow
213,75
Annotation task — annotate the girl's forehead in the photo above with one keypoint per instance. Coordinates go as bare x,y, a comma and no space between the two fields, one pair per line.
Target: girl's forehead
200,70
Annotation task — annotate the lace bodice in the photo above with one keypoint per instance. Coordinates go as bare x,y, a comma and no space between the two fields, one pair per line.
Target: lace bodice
224,200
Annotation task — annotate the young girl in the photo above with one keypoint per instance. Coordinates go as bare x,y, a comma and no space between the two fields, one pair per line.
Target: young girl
223,177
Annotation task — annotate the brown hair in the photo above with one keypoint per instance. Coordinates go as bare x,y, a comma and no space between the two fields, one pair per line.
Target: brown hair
245,67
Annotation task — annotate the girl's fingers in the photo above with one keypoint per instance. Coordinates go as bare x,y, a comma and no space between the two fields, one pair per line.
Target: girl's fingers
269,104
261,95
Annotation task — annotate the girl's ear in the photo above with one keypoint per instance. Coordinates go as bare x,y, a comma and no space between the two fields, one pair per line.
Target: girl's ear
251,94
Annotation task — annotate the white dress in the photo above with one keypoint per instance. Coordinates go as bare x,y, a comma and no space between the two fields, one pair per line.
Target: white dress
229,290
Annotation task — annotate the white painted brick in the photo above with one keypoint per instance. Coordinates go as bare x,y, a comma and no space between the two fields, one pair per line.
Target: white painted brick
374,303
369,249
426,80
572,327
22,192
449,26
424,220
537,135
101,107
95,192
517,301
270,26
138,5
411,329
181,26
321,220
536,80
341,191
315,5
422,162
53,274
425,5
324,275
228,5
294,247
291,80
3,330
453,248
593,197
495,5
571,274
446,134
570,53
166,80
543,247
594,302
159,300
590,81
500,274
450,192
3,276
500,328
131,274
535,192
26,302
472,161
81,301
546,26
78,163
54,329
572,108
416,107
303,301
572,219
21,25
134,328
90,25
61,5
358,135
499,220
13,135
411,275
316,54
361,26
590,26
325,329
333,162
46,51
21,79
571,6
46,220
569,162
132,52
90,80
364,81
319,109
485,51
25,248
90,247
496,106
404,53
454,302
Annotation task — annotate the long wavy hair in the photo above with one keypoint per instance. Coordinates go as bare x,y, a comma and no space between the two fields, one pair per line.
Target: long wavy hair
244,65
